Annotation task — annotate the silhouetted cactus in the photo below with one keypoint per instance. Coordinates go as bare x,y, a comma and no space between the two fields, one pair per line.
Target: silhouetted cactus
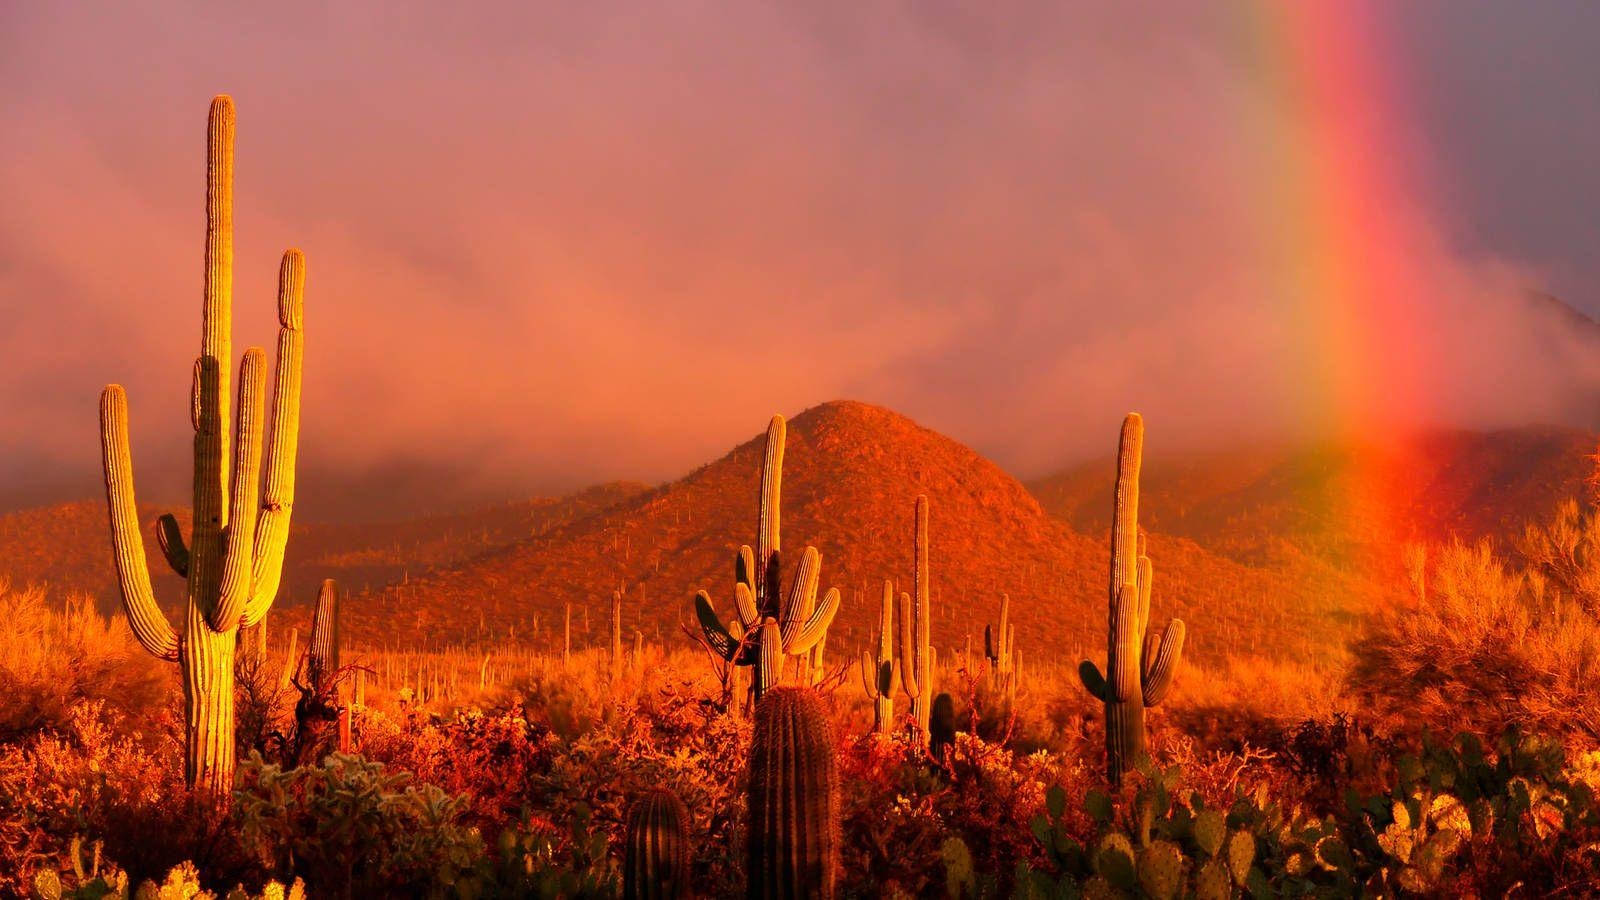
793,819
235,558
942,728
918,662
880,674
655,860
775,626
1139,665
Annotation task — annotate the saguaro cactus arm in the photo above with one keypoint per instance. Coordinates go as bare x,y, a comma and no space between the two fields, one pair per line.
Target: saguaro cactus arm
716,634
239,536
148,622
905,649
277,502
1158,682
170,537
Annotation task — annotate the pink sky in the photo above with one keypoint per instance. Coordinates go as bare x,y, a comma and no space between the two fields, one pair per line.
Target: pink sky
552,244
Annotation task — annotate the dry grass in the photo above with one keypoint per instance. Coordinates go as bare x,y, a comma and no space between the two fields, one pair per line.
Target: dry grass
54,655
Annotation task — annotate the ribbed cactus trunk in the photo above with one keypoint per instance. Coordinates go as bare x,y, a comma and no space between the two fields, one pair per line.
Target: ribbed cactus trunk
1139,666
880,674
235,556
793,820
655,857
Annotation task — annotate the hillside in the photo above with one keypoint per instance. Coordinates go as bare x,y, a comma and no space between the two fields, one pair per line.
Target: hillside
852,472
68,546
1256,504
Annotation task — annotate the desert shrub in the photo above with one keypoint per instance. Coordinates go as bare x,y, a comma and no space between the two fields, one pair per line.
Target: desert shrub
352,828
1565,552
54,656
1482,648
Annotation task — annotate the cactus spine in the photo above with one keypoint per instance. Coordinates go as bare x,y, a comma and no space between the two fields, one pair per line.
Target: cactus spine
235,556
793,839
880,675
1000,648
655,861
1139,665
915,650
775,626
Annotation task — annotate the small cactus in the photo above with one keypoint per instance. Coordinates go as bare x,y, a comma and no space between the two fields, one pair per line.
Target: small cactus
655,863
1139,665
616,637
793,820
880,674
776,626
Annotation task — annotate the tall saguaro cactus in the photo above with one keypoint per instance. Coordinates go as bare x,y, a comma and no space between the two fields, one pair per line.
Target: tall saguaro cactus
793,821
1139,665
918,662
880,674
235,555
775,625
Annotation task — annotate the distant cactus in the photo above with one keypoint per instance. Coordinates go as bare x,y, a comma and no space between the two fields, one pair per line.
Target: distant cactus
616,637
235,557
775,626
1000,649
880,674
942,728
918,662
1139,665
793,819
655,862
322,658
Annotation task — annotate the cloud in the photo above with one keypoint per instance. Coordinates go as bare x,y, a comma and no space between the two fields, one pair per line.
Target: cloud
550,245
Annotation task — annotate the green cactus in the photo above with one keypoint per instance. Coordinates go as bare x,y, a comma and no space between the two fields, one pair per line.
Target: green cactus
793,820
1139,665
776,626
880,675
655,863
1161,870
914,648
1000,648
235,558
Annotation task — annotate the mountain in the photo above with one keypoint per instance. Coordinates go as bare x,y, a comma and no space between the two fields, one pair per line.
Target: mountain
851,476
68,545
1255,504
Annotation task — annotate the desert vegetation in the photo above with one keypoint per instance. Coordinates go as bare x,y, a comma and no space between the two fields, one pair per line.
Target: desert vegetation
1446,744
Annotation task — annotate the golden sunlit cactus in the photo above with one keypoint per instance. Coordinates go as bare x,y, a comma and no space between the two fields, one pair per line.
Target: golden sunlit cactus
775,626
235,556
915,652
1139,665
880,674
1000,648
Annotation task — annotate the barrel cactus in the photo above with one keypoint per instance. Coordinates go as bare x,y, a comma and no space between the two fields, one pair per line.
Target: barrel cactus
776,625
655,861
1140,665
234,559
793,819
